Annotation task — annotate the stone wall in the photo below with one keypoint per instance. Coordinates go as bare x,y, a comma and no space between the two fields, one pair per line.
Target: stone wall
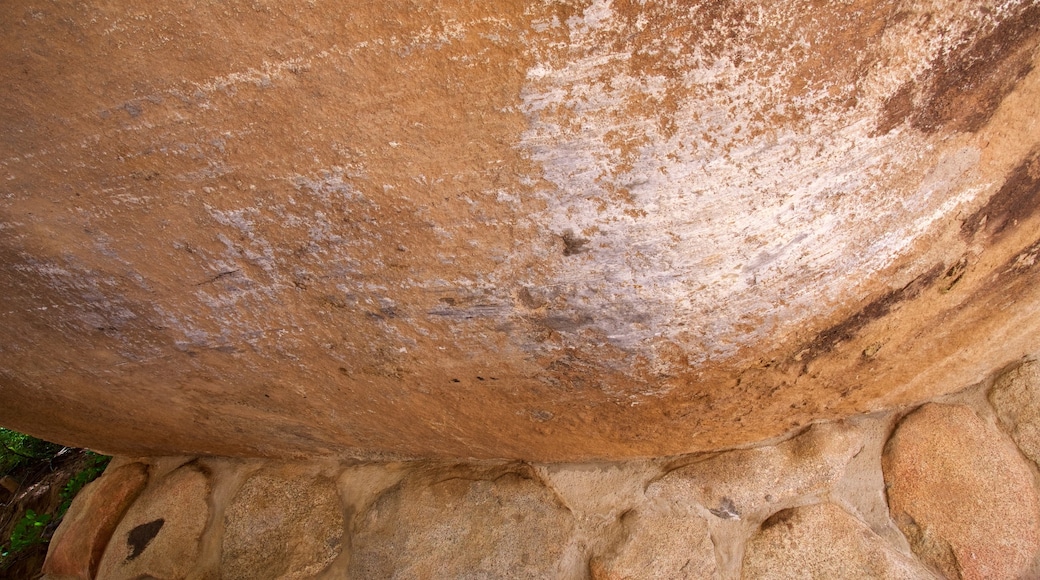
947,489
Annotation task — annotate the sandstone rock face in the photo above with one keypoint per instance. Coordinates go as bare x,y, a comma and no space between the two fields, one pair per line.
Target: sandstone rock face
545,230
824,541
963,495
660,545
1016,398
282,524
79,542
738,483
160,535
490,525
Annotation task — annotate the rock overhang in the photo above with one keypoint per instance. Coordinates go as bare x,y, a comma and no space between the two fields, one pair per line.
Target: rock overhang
547,231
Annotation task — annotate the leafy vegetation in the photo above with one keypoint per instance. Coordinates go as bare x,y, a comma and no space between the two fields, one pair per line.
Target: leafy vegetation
18,450
95,466
26,461
27,532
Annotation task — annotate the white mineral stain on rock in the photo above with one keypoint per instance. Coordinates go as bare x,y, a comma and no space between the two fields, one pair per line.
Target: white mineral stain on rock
712,208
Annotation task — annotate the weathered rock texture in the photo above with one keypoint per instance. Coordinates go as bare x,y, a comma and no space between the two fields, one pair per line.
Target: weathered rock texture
957,487
77,546
1016,398
824,541
740,482
168,519
550,230
962,494
500,524
286,523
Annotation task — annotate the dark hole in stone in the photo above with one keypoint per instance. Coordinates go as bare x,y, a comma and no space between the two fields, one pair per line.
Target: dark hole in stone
139,537
780,517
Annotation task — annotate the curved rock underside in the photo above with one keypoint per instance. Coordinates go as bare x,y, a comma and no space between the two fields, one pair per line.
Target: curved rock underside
545,230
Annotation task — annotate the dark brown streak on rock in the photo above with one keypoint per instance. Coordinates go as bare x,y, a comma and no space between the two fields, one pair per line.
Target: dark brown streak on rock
829,339
139,537
963,89
1017,200
1028,260
219,276
470,312
564,323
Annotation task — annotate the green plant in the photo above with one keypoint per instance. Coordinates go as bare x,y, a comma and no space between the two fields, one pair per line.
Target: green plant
27,533
36,459
18,449
93,469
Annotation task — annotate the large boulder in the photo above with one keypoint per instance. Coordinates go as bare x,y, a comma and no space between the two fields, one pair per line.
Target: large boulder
284,522
757,482
544,230
660,544
160,534
78,544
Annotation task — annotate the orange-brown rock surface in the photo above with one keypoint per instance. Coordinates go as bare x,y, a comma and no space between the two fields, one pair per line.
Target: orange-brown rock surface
550,230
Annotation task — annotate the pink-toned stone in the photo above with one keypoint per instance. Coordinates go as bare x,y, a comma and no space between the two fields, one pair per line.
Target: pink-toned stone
79,542
824,541
962,494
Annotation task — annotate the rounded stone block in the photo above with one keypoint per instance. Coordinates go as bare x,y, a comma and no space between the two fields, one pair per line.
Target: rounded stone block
160,534
824,541
660,545
283,523
79,542
962,494
736,483
464,524
1016,398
